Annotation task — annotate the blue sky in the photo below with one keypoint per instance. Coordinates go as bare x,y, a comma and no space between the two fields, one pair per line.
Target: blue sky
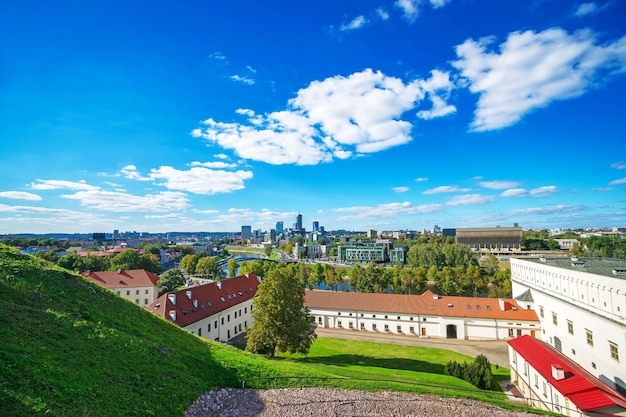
208,115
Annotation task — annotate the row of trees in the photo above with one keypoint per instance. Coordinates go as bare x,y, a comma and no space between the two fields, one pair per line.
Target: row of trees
128,259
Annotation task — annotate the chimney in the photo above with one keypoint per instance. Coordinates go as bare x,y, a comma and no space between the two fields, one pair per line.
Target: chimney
501,303
558,372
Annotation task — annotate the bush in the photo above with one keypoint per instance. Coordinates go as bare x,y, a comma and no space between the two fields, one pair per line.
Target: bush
477,373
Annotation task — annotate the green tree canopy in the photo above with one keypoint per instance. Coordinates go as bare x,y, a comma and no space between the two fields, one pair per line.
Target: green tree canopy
170,280
127,259
151,262
281,321
233,265
209,268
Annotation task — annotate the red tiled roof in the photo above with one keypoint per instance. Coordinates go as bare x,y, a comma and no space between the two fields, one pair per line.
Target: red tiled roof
126,278
425,304
196,303
583,389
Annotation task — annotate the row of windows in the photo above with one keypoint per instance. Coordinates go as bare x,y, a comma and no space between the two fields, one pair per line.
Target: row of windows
613,349
386,316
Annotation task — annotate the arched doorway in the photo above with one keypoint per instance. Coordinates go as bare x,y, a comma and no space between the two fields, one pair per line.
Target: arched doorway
451,331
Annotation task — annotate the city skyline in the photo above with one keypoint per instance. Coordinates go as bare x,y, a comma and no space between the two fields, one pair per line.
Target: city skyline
385,115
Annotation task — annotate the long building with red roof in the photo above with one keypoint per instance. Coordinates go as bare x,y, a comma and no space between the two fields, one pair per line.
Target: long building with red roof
551,381
425,315
218,311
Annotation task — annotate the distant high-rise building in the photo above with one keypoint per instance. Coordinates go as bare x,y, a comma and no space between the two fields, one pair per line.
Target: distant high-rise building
316,226
299,222
279,227
246,232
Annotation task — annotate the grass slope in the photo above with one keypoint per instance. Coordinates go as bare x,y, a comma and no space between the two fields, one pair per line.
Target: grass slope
71,348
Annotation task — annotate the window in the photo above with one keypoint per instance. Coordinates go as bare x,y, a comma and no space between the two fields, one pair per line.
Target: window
386,327
146,292
541,311
555,321
570,327
235,314
136,292
545,389
215,324
350,325
411,329
589,337
136,300
469,306
488,307
200,332
339,323
127,292
536,381
374,326
222,321
362,326
511,333
145,301
525,368
399,329
319,320
228,318
614,351
208,327
245,310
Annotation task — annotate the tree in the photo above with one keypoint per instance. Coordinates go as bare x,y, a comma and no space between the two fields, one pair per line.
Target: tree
233,265
189,262
170,280
281,321
318,274
209,268
125,260
150,262
267,250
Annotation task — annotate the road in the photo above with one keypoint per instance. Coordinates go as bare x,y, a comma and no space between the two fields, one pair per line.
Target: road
495,350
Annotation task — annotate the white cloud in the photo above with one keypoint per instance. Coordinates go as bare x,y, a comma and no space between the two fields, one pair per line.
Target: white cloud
498,185
618,165
438,89
543,210
543,191
421,179
514,192
470,199
214,165
61,184
586,9
130,172
401,189
382,13
242,79
209,211
200,180
334,118
532,70
438,3
410,8
356,23
20,195
618,181
122,202
602,189
221,156
446,189
218,56
384,210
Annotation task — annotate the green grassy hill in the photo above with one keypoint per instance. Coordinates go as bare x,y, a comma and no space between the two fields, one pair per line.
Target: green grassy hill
71,348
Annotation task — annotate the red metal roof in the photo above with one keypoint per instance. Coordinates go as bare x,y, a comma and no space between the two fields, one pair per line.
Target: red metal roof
425,304
196,303
582,388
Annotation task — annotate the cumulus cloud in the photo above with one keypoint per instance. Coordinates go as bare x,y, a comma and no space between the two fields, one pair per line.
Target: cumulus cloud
618,181
332,119
215,165
531,70
421,179
200,180
356,23
618,165
470,200
438,3
61,184
410,9
130,172
123,202
400,189
446,189
20,195
498,185
382,13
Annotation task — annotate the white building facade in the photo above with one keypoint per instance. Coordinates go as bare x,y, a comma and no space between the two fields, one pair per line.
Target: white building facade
426,315
581,304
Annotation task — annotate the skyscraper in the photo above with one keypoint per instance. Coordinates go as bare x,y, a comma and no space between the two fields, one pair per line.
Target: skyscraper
246,232
279,227
299,222
316,226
